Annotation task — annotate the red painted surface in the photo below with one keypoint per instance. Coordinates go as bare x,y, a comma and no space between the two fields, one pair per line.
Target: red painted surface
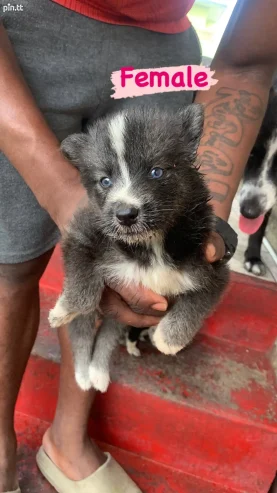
150,476
195,442
247,315
205,421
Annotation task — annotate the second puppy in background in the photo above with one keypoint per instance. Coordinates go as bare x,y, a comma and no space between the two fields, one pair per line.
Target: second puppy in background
258,193
147,222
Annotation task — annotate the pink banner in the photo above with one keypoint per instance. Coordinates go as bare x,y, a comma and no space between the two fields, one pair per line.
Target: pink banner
129,83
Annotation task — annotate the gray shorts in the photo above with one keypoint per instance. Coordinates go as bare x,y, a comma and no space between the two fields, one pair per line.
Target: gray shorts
67,60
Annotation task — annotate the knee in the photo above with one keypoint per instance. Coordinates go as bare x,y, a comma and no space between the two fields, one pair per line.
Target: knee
23,276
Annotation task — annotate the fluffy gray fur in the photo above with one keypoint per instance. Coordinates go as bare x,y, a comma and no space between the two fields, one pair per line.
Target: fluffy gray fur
139,160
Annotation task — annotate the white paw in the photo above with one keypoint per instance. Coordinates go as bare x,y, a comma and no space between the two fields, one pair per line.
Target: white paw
99,379
59,315
257,267
83,380
157,339
132,348
56,321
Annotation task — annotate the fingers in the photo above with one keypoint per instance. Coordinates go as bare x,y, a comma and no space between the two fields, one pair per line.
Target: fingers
113,306
142,300
215,249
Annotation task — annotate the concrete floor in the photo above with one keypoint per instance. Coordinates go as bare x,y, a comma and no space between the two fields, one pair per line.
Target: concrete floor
236,263
272,229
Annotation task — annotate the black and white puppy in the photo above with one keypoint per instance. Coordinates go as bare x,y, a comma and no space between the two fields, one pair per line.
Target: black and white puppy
147,222
259,188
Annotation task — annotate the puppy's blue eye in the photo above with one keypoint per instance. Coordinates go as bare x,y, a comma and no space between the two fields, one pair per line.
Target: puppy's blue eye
157,172
106,182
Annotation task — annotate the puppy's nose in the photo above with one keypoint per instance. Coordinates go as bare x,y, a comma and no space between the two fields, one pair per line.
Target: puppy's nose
251,209
127,215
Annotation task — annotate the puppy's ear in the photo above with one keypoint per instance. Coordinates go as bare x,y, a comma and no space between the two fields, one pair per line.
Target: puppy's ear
192,127
73,146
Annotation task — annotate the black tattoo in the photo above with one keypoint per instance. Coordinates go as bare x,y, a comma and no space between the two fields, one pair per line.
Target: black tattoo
225,120
219,190
215,161
237,102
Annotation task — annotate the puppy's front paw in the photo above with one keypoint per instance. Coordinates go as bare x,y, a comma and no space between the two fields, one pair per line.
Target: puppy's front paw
256,266
60,315
99,379
160,337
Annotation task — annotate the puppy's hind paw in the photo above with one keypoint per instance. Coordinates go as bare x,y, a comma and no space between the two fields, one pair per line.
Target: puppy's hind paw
132,348
59,316
99,379
144,335
83,380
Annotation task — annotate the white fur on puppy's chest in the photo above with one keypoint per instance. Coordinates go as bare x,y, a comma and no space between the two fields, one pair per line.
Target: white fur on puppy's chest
160,278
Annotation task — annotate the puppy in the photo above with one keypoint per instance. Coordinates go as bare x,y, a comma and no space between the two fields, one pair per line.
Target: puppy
147,222
259,188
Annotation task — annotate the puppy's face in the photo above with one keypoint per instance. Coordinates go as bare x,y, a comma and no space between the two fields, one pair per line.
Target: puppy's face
138,165
259,190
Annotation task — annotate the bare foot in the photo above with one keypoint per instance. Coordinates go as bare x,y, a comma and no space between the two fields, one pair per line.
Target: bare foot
76,460
8,476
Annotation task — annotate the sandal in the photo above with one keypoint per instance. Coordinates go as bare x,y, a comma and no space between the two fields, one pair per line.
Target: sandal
109,478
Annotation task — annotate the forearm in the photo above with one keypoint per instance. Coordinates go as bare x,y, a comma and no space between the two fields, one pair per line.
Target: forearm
25,137
234,109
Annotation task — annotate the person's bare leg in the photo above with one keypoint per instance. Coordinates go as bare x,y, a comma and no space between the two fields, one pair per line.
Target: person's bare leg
19,320
67,442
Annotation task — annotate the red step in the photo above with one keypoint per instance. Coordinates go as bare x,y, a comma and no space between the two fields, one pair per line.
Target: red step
149,475
204,421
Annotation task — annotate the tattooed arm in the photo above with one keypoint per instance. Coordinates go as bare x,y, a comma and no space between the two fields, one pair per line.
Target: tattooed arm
235,106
